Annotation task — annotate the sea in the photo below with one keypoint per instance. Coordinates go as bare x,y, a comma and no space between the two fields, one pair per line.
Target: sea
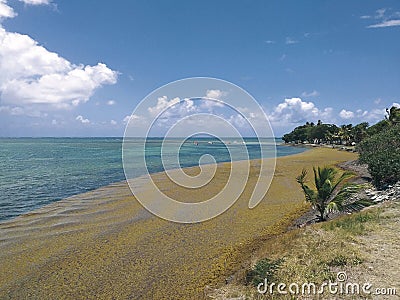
37,171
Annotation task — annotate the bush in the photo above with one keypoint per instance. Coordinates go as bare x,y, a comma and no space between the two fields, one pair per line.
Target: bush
264,268
381,152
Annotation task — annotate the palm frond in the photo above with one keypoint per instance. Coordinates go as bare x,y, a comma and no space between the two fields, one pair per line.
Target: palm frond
345,192
308,192
357,205
302,177
344,176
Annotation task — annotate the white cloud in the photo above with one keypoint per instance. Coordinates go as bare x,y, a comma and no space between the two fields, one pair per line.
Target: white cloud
238,121
162,103
34,78
361,113
111,102
36,2
113,122
387,18
388,23
82,119
346,114
134,119
269,42
53,122
380,13
58,90
215,94
311,94
19,111
294,110
5,10
212,94
290,41
126,119
375,115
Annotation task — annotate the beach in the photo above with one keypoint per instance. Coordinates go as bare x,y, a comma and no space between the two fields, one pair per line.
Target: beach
104,245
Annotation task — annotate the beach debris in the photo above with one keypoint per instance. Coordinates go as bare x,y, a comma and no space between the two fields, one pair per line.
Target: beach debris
391,193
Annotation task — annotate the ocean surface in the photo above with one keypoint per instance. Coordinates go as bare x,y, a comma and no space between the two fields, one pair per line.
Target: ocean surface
38,171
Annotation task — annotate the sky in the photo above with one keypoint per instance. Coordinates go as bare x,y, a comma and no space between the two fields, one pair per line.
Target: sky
80,68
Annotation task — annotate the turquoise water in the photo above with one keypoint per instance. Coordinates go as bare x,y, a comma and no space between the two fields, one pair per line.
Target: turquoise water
37,171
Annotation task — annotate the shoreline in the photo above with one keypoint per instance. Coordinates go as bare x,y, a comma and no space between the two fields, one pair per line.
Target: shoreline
91,189
113,239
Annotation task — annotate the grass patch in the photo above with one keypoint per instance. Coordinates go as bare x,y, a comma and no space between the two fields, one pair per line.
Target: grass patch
342,260
311,254
355,224
265,268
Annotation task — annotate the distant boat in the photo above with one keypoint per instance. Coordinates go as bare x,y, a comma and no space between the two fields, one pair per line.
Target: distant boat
210,142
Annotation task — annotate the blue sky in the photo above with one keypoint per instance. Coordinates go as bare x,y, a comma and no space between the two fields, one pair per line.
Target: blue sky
79,68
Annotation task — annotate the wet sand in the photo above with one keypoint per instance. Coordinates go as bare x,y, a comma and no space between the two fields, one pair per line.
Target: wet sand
104,245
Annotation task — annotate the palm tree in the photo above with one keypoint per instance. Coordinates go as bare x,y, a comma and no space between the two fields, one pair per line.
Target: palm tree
345,133
393,116
329,197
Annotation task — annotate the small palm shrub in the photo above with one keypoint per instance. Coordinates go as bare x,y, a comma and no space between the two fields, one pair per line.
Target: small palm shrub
329,195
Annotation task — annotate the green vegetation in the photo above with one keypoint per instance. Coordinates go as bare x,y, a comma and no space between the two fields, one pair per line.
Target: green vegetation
264,268
328,197
318,252
310,132
378,145
354,224
382,154
327,133
342,135
393,116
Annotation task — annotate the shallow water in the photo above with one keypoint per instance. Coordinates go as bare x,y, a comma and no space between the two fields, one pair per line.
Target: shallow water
38,171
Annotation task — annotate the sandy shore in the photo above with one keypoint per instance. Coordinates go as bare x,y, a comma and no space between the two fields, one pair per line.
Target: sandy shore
104,245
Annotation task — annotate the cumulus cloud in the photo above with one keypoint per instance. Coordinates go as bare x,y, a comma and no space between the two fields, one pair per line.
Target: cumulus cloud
238,120
34,78
82,120
111,102
6,11
215,94
295,110
346,114
162,103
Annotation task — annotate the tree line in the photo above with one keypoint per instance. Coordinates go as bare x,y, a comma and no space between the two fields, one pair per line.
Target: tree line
346,134
378,147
